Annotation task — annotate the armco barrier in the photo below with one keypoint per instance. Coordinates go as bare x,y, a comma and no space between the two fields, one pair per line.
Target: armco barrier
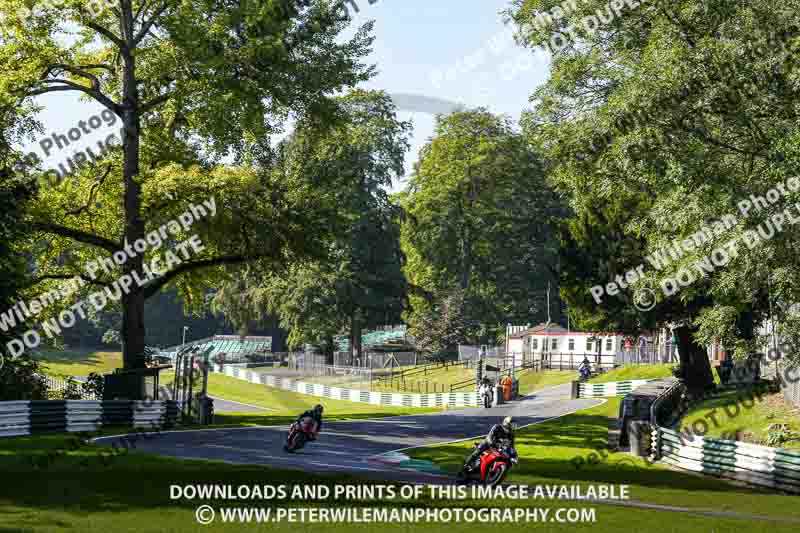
445,399
612,388
47,416
750,463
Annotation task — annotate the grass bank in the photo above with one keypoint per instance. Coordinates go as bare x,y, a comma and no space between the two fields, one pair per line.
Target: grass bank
284,406
742,415
570,450
530,382
629,372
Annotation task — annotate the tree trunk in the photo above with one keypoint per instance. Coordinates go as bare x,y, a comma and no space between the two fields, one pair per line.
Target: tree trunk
329,349
355,335
695,368
466,260
133,328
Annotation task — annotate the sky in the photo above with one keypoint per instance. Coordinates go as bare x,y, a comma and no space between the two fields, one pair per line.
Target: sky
457,51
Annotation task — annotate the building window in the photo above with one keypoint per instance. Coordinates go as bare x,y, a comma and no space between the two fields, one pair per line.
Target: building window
554,344
534,344
571,344
609,344
589,345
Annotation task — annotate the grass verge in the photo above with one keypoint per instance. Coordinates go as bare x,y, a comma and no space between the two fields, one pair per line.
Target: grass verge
284,406
629,372
745,416
82,493
78,362
570,450
530,382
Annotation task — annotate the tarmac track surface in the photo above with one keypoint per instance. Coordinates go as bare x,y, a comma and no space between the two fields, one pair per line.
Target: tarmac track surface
353,447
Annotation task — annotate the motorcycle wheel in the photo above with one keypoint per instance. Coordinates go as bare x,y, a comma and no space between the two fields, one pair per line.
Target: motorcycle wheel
299,440
496,475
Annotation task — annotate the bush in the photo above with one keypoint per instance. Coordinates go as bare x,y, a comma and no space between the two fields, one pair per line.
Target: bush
93,386
72,392
149,353
21,379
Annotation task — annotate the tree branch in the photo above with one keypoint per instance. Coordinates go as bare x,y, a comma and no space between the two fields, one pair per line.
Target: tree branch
158,100
147,25
105,32
153,287
92,192
78,235
67,85
84,277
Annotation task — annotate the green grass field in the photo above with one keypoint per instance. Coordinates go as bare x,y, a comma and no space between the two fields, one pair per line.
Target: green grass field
562,451
284,406
530,382
629,372
436,379
78,362
746,420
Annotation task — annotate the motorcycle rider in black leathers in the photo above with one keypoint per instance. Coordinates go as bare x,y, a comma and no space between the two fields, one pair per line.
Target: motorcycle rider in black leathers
585,368
500,433
316,415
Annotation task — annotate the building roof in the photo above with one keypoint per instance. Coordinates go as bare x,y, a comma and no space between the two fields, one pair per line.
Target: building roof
541,329
554,330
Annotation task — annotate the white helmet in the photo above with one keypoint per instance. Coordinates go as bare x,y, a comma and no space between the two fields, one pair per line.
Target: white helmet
508,422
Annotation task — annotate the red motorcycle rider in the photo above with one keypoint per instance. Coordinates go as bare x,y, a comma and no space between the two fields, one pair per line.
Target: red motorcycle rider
500,433
316,415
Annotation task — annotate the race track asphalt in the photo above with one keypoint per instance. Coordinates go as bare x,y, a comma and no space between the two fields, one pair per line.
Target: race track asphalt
354,446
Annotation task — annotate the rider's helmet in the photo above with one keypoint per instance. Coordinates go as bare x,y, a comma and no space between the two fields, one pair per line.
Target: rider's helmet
318,409
508,423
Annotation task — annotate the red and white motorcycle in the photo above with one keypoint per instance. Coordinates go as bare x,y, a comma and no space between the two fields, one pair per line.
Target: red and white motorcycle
300,433
494,466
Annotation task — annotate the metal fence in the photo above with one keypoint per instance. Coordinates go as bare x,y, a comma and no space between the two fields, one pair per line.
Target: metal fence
57,387
375,360
568,360
792,389
646,356
467,352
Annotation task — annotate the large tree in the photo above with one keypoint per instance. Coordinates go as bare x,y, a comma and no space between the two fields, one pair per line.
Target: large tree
193,83
359,281
693,104
20,377
479,219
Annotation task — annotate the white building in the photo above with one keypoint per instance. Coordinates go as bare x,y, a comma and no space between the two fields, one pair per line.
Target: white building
560,348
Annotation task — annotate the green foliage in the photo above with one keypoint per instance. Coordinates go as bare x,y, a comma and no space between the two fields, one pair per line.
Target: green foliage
358,281
21,379
93,386
689,108
73,391
438,329
112,337
594,249
199,87
479,217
